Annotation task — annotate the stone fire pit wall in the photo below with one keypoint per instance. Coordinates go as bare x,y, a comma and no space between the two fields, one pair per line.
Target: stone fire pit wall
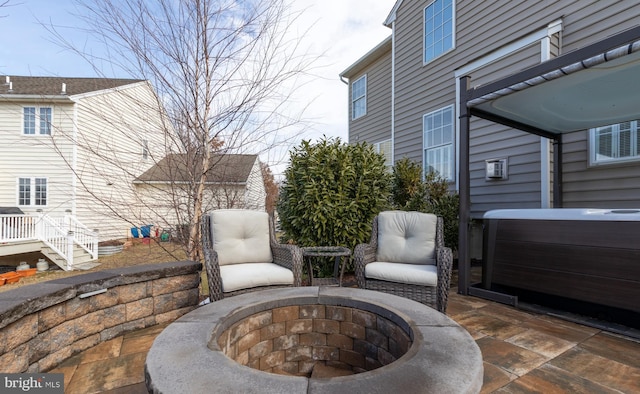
292,340
43,324
385,343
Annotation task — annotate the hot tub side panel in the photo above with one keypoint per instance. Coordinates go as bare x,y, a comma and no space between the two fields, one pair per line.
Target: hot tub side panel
591,261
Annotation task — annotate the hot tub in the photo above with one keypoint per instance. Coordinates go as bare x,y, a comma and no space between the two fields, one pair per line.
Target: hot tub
587,255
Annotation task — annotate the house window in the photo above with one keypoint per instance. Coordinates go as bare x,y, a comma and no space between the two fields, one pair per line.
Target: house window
37,120
40,191
615,143
359,97
438,29
384,147
24,191
438,138
32,191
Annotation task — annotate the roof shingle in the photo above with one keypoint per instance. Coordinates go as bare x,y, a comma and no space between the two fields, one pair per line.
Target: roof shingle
52,86
179,168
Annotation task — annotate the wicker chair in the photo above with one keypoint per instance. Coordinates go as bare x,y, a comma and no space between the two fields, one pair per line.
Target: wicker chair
242,254
406,256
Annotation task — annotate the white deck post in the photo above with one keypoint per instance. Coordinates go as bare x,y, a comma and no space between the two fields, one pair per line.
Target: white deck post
70,250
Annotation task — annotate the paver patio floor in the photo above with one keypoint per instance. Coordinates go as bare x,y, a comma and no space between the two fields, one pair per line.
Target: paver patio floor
523,352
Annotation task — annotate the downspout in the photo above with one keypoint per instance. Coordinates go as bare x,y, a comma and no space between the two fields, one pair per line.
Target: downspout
393,92
74,160
545,167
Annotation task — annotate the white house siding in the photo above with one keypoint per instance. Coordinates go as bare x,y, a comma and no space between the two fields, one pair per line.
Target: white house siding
482,28
256,195
171,206
36,156
111,128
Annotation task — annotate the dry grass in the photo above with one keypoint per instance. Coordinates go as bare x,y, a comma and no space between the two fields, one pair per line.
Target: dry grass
135,253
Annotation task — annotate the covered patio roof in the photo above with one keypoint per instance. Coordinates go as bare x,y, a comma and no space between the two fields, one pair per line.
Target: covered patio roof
593,86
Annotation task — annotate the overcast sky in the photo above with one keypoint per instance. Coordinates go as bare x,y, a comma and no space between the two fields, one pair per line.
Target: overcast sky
343,30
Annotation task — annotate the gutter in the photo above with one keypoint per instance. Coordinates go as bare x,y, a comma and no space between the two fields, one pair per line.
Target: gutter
35,97
368,57
138,182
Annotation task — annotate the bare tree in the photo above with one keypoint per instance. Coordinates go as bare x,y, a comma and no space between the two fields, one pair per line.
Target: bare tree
224,72
4,3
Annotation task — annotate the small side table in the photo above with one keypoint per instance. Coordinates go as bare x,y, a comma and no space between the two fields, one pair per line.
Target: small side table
327,251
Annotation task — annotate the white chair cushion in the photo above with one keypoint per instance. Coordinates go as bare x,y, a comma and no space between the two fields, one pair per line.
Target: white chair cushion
244,276
241,236
415,274
406,237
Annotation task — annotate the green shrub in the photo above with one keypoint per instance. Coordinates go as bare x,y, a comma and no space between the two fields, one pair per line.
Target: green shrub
411,193
331,193
408,191
444,203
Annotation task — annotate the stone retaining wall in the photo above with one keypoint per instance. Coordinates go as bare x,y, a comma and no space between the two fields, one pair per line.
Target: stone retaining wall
43,324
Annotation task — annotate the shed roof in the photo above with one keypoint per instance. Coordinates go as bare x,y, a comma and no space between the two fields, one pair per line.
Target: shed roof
176,168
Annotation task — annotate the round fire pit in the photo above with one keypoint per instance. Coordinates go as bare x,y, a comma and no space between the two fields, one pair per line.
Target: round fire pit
314,339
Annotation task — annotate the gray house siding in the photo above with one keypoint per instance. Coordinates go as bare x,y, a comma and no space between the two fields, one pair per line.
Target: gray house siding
602,186
522,188
483,28
420,89
375,125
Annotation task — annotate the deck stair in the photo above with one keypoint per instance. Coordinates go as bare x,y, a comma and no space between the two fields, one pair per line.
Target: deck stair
65,241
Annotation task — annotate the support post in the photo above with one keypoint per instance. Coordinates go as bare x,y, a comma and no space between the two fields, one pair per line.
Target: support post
464,261
557,171
39,227
94,248
67,220
69,250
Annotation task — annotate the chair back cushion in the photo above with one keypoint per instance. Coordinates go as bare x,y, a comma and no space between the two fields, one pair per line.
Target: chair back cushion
241,236
406,237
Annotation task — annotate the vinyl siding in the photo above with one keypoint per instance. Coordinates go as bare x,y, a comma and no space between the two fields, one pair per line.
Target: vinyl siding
483,27
40,156
256,194
375,126
602,186
111,128
490,140
173,204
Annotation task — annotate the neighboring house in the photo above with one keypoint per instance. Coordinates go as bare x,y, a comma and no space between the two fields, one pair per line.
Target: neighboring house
233,181
71,148
404,97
